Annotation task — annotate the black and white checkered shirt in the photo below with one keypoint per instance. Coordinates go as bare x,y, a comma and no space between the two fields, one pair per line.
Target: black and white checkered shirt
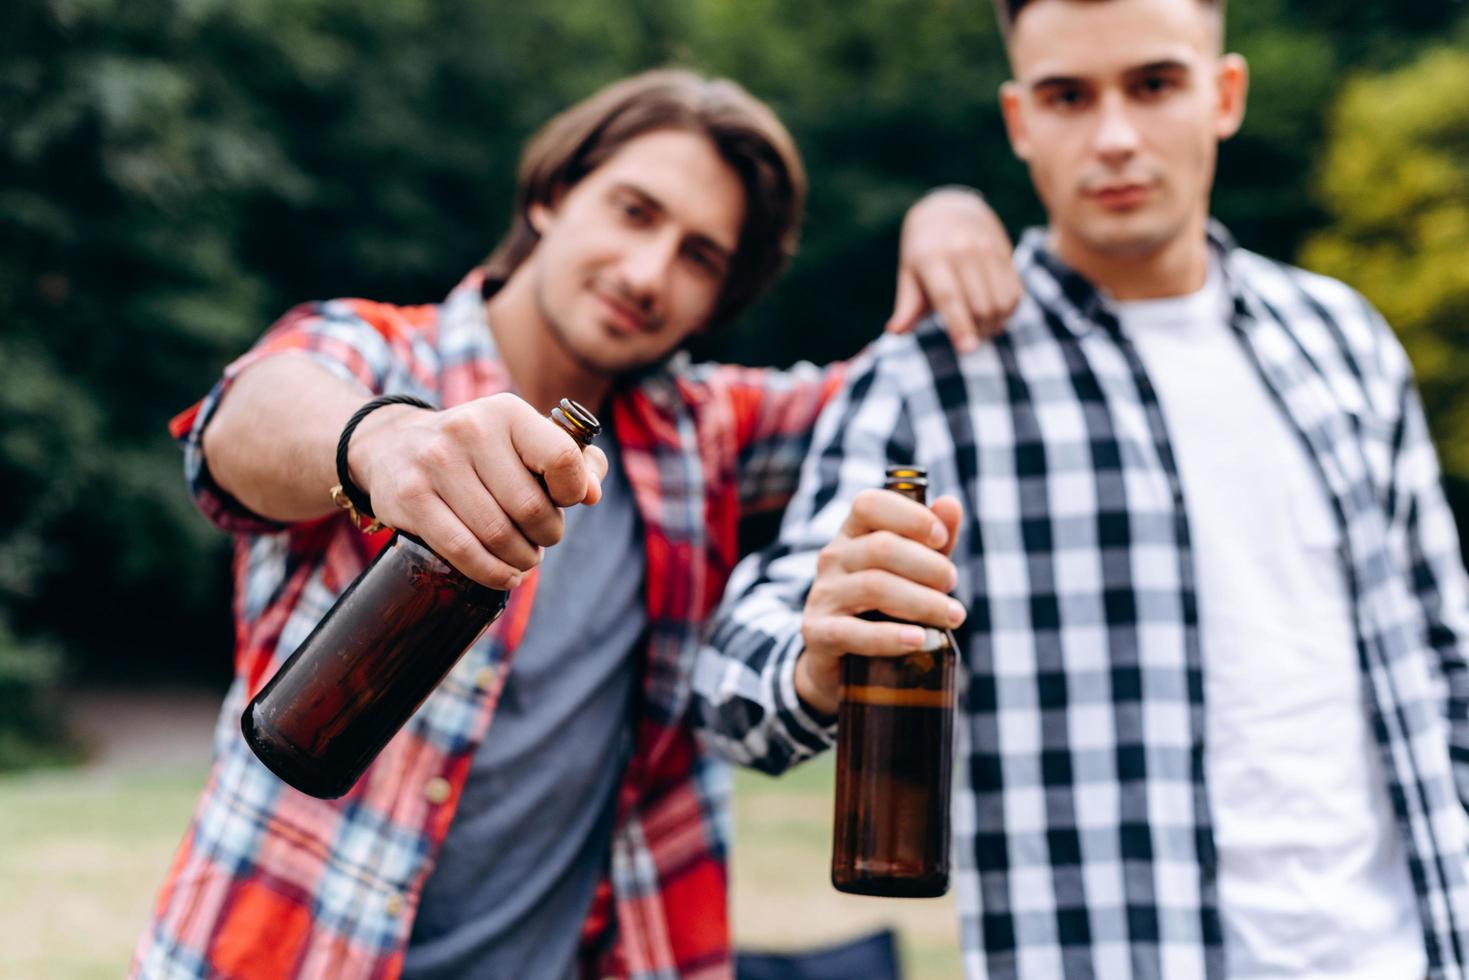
1082,825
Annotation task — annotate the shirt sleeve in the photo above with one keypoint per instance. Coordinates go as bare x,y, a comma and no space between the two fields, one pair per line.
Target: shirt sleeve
745,705
347,338
1427,543
774,414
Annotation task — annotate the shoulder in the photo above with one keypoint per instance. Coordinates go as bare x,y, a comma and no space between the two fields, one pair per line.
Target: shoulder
1302,299
710,381
394,323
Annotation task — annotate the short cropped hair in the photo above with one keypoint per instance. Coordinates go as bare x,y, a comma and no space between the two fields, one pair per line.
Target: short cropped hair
1008,10
744,131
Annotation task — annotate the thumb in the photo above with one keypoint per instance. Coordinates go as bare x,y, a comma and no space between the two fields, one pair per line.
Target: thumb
949,512
908,306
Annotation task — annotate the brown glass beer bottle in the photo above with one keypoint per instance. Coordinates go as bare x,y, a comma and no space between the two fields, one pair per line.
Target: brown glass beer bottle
895,725
375,657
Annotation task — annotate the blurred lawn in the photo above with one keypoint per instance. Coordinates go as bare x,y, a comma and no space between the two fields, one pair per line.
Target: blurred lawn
82,853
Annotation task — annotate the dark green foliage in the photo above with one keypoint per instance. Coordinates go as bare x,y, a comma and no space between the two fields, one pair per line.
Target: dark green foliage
176,173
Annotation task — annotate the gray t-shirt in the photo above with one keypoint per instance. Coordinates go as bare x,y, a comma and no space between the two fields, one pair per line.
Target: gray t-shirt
532,834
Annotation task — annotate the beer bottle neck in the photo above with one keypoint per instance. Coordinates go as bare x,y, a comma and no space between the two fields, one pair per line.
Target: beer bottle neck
910,481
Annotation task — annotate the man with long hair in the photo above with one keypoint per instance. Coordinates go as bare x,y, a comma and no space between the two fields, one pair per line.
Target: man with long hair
548,810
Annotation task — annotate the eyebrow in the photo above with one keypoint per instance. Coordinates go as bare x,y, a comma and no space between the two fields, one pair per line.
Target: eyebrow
1152,67
724,253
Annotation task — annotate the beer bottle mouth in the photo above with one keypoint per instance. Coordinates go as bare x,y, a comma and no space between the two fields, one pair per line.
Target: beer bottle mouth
579,423
906,478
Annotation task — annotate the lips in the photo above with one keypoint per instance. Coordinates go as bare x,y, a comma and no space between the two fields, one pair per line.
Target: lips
622,317
1120,197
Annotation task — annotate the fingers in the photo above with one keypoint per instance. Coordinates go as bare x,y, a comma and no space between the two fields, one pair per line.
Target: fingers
867,638
884,510
446,534
596,461
951,301
515,495
957,253
911,560
880,591
996,281
909,306
886,560
547,450
979,292
949,512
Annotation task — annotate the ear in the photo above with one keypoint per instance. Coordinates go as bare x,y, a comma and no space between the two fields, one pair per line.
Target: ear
1233,85
1012,97
541,216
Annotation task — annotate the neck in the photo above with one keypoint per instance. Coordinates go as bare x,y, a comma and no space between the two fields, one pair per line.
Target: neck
1176,268
540,369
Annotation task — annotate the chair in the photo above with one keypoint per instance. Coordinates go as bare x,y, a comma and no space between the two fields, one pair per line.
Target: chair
873,957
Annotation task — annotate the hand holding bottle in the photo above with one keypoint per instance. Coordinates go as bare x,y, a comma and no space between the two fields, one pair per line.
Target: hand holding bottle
890,558
482,483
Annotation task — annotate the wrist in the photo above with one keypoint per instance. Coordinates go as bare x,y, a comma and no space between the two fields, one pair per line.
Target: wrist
817,684
371,434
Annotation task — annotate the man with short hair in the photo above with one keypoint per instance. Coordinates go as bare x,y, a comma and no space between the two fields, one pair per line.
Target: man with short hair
1216,708
558,816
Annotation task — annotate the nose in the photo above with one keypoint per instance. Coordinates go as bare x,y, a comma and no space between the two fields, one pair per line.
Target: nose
646,264
1116,135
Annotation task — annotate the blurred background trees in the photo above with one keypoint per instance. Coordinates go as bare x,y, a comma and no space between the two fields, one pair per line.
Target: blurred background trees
175,173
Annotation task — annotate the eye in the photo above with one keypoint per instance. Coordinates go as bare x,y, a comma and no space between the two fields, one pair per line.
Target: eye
1064,98
706,263
1153,87
633,211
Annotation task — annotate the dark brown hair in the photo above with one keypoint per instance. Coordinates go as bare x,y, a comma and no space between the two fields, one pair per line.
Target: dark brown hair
1008,10
744,131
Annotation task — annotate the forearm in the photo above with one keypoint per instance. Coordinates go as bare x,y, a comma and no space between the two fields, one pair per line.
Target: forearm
745,707
273,439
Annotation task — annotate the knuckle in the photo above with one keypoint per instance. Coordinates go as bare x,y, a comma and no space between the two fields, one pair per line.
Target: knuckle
461,426
403,485
566,458
882,548
532,507
460,546
436,453
503,402
868,586
828,557
499,536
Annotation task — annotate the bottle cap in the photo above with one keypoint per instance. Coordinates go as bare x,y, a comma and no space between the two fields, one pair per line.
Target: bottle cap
579,423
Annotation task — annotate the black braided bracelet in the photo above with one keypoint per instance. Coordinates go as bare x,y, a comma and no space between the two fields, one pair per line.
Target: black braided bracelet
355,494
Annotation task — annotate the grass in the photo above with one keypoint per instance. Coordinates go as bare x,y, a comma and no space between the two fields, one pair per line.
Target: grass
80,860
783,898
84,851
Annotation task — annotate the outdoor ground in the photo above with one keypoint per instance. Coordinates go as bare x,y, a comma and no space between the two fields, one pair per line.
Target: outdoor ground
82,850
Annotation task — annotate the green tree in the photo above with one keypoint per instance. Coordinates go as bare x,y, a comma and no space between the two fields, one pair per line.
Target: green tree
174,174
1395,182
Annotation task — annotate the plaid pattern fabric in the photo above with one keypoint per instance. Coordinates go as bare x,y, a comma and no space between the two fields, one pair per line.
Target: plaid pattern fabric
270,883
1082,827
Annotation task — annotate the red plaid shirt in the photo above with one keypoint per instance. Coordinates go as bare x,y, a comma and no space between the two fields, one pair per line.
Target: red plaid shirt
271,883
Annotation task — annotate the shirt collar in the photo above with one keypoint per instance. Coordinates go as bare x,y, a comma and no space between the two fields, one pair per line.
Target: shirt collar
466,307
1079,305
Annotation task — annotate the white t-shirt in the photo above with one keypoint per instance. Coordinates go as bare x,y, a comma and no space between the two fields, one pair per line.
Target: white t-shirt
1313,880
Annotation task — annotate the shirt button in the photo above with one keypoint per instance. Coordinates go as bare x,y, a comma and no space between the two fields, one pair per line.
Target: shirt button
486,678
395,904
437,790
